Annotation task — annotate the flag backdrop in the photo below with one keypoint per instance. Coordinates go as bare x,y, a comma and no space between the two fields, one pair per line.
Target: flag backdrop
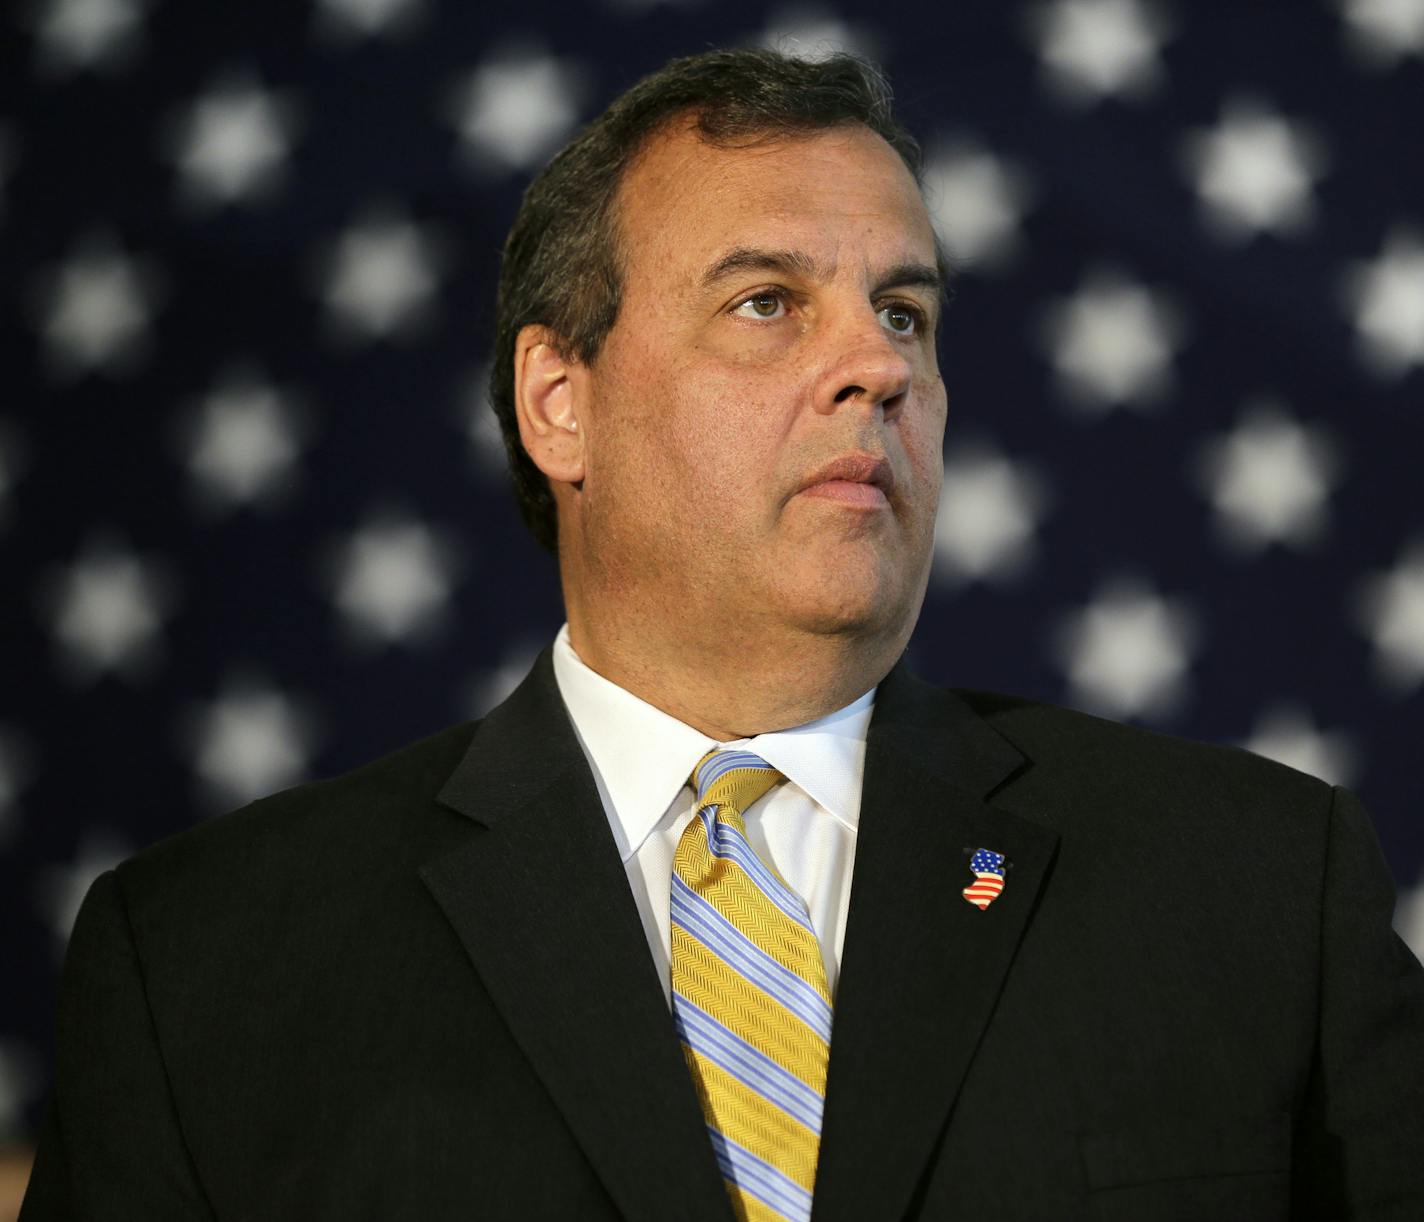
253,515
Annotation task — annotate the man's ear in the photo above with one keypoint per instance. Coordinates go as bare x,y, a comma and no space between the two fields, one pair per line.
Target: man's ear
546,406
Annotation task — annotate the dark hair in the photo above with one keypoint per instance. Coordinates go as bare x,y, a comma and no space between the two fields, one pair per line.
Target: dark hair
563,262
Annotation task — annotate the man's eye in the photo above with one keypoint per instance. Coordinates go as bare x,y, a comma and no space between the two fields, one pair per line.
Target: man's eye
902,319
761,305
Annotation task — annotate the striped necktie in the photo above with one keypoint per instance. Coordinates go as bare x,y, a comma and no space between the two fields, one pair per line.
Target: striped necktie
749,997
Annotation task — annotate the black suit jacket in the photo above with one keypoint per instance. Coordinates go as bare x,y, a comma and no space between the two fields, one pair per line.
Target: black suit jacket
422,991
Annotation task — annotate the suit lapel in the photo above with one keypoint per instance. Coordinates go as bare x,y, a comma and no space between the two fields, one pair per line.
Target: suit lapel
541,902
922,968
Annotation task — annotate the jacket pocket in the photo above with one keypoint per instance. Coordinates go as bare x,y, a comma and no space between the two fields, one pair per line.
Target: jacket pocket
1221,1170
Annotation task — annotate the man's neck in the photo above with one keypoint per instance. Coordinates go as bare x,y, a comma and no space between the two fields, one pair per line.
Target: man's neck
735,686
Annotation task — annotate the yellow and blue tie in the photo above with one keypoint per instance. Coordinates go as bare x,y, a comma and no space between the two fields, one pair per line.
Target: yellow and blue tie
749,997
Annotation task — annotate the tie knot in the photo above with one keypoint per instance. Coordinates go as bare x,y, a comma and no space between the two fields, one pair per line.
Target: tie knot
732,779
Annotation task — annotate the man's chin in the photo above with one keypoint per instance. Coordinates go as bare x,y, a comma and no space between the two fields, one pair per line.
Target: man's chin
854,605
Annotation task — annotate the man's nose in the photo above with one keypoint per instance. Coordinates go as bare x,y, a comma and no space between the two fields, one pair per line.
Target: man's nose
868,366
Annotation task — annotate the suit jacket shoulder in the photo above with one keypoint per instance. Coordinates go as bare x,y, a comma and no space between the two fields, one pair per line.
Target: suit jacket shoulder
1080,761
308,841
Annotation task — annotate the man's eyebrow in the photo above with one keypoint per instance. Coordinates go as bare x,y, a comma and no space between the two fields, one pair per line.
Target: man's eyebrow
762,259
911,276
799,263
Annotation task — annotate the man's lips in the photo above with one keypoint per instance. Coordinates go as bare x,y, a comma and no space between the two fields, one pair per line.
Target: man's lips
859,480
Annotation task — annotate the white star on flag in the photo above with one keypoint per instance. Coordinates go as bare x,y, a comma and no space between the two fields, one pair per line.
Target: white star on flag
1386,297
72,35
61,888
1095,49
243,444
1269,479
1409,918
95,309
1112,343
1286,733
1390,608
249,741
231,144
976,201
810,31
348,20
1382,32
1254,172
381,278
515,109
989,508
490,688
393,580
107,612
1126,653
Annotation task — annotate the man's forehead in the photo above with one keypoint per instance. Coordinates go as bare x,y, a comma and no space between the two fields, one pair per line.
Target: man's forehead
684,192
677,160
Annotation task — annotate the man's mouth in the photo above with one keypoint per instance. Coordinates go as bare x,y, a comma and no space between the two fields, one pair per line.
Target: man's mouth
859,481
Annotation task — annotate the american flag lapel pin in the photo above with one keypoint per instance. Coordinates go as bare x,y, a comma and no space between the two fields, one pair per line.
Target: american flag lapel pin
988,884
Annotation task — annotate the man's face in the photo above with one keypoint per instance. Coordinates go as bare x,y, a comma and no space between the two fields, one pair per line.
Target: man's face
764,424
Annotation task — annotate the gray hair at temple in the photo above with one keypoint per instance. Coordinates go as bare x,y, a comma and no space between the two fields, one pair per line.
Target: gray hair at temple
562,266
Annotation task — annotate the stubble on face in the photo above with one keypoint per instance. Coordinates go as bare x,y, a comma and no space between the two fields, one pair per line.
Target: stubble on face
708,408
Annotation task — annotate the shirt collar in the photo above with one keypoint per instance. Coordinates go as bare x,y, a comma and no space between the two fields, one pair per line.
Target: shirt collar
642,757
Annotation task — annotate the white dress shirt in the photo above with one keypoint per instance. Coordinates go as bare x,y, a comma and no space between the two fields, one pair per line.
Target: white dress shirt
642,760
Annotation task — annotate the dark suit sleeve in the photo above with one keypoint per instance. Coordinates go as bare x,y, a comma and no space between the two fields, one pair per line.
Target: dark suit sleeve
1360,1148
111,1147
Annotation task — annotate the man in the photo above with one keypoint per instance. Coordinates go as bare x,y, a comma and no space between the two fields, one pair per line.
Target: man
584,959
